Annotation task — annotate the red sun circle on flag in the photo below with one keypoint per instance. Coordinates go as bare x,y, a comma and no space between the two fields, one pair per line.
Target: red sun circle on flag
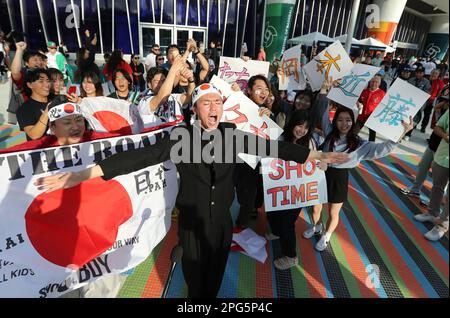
73,226
69,109
113,122
204,87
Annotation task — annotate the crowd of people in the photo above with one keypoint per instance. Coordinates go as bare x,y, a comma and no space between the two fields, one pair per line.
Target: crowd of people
175,88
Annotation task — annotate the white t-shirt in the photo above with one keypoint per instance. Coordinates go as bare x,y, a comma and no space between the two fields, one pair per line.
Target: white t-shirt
170,111
150,60
51,60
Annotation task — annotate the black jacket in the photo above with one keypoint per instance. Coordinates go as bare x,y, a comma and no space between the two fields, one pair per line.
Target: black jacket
206,189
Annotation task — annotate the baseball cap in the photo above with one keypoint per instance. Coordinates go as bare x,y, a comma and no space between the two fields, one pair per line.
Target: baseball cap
420,69
51,44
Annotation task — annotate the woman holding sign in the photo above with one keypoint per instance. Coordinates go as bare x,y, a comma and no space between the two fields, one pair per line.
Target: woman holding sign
341,136
299,130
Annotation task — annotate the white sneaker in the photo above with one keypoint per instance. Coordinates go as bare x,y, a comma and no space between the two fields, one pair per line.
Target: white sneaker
436,233
323,243
315,230
285,262
425,217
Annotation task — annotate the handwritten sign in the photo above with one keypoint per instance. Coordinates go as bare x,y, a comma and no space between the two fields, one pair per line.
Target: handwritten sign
292,77
244,113
352,85
290,185
331,62
237,70
400,102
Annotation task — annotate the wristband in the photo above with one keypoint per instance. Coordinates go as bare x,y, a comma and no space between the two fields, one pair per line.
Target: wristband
189,81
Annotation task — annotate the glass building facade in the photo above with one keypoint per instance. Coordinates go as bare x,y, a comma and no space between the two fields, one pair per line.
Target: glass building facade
134,25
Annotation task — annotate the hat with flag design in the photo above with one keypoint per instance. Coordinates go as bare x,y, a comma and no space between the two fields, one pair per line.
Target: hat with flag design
63,110
204,89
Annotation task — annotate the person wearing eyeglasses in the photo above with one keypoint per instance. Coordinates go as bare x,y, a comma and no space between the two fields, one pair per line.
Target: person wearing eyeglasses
138,72
150,59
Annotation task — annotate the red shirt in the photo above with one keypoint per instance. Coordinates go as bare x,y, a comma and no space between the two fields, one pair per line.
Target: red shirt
49,141
370,100
19,84
436,86
123,65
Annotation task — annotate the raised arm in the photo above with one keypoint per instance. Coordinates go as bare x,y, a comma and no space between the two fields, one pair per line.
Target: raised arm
16,65
253,145
116,165
372,151
205,65
166,88
187,97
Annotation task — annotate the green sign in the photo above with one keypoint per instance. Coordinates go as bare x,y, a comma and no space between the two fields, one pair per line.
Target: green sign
436,46
278,22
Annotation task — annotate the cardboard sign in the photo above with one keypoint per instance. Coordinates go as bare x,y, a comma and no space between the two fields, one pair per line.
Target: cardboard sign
332,62
290,185
400,102
237,70
292,77
352,85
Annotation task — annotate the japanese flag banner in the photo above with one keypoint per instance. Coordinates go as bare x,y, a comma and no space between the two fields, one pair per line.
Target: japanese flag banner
332,62
352,85
289,185
51,243
292,77
112,115
237,70
400,102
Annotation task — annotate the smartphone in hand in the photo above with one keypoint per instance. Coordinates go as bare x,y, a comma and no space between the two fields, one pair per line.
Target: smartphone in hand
72,90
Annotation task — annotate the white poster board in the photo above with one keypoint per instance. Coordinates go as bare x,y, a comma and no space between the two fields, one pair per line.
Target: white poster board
242,111
237,70
400,102
331,62
292,77
290,185
224,87
352,85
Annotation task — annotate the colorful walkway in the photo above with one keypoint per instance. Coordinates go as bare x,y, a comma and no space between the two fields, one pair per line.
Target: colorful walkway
377,234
